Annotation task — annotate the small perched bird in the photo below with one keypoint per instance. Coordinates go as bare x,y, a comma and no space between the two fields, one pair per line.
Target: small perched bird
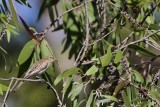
37,68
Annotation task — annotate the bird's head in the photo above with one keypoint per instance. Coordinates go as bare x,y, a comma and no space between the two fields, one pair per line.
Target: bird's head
50,58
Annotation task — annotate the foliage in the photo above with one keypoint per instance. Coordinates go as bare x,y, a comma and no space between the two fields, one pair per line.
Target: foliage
114,44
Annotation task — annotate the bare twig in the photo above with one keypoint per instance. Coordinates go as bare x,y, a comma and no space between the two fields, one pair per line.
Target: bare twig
86,42
143,91
2,33
4,103
28,80
102,37
43,33
140,40
7,93
149,13
55,92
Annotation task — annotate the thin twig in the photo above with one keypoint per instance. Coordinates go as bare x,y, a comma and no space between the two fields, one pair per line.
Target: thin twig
86,42
43,33
55,92
102,37
3,32
149,13
4,103
29,80
7,93
140,40
144,92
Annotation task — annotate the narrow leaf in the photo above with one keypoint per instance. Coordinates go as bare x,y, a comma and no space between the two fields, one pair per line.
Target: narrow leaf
92,70
118,56
66,73
143,51
14,13
3,87
45,48
76,91
26,51
138,76
1,91
119,87
112,98
90,99
125,99
107,57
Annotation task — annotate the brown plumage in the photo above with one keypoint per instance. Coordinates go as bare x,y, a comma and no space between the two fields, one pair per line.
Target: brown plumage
37,68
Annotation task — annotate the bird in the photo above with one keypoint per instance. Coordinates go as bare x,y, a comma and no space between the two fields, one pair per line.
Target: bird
38,68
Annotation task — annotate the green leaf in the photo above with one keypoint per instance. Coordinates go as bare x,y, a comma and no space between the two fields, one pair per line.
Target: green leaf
1,91
76,91
26,51
80,102
45,49
24,66
66,73
8,36
154,26
118,56
138,76
120,86
148,79
107,57
3,87
67,84
75,103
111,98
143,51
125,99
90,99
3,50
14,13
92,70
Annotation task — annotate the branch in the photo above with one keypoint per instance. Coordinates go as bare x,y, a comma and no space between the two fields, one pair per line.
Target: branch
55,92
102,37
59,17
28,80
140,40
7,93
86,42
149,13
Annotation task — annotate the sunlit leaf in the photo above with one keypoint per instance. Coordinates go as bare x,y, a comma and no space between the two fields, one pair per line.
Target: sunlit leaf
107,57
143,51
81,102
125,99
8,36
66,73
107,99
90,99
45,48
120,86
3,87
14,13
138,76
67,84
76,91
118,56
92,70
111,98
26,51
1,91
